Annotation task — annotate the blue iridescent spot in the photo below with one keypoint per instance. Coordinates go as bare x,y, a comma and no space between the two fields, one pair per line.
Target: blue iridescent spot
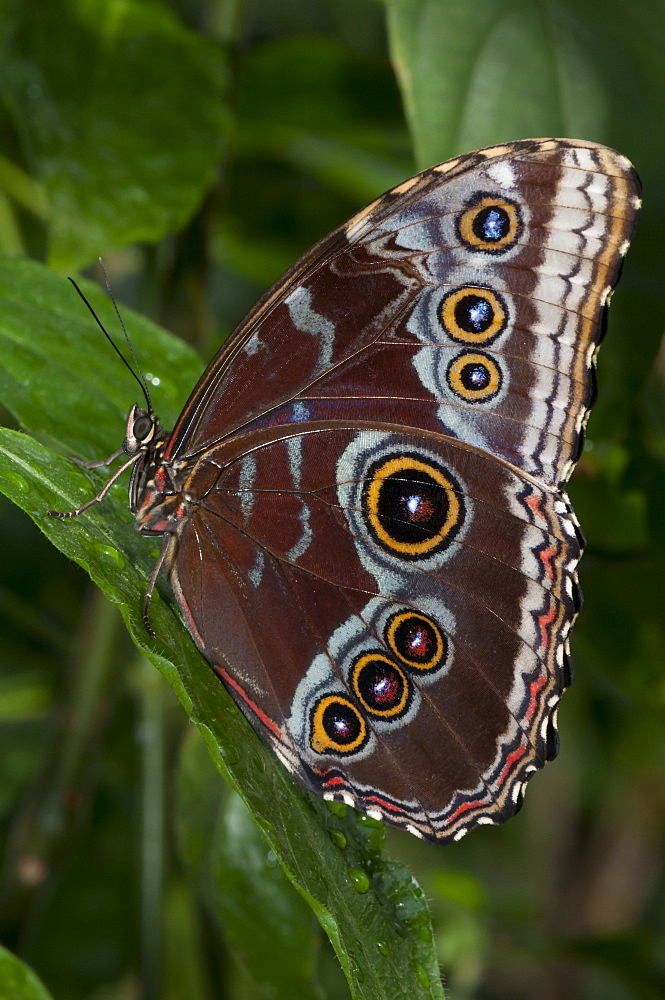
474,314
492,224
475,377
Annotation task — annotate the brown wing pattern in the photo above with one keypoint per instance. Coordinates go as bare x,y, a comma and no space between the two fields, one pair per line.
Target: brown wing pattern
378,558
381,299
303,588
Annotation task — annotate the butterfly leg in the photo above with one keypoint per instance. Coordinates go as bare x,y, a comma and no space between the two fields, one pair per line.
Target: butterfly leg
102,493
100,462
151,586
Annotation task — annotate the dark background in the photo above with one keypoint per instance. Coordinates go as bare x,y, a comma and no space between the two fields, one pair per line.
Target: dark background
201,147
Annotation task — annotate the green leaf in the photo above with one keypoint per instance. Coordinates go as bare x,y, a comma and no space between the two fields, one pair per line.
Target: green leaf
298,172
473,74
61,383
264,920
18,981
120,113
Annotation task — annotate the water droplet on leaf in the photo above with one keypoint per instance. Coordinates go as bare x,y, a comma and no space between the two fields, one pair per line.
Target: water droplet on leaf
338,838
359,880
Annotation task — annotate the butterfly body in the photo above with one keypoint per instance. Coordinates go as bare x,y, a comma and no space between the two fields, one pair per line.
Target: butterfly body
363,499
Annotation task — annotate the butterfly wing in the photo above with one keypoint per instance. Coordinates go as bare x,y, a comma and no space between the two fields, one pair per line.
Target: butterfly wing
411,667
380,310
380,563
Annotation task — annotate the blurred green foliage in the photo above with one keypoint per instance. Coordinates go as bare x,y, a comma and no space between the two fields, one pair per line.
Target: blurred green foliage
200,147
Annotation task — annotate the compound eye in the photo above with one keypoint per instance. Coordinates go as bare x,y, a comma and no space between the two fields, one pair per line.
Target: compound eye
143,428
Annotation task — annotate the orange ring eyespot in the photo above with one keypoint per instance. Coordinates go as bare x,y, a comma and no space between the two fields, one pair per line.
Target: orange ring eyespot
416,640
413,507
474,377
381,686
492,224
473,315
337,726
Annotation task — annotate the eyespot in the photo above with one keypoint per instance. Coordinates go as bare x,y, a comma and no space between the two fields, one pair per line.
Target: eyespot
413,507
474,377
382,688
417,640
337,726
473,315
491,224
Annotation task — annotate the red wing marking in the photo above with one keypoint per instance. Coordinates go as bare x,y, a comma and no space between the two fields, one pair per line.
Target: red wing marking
334,781
387,805
534,688
533,501
546,559
465,808
510,760
191,624
267,722
544,621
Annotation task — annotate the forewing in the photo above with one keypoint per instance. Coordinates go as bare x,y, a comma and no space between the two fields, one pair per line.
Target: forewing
408,314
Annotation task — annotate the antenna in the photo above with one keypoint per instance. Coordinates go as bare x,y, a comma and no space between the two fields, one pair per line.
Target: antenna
140,377
124,330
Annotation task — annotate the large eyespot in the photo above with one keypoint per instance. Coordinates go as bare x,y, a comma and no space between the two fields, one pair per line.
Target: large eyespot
416,640
413,506
381,687
337,726
474,377
473,315
491,224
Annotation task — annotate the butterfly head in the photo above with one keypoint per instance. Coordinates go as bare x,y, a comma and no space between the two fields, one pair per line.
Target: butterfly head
142,427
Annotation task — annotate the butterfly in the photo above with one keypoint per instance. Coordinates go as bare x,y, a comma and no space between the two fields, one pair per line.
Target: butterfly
362,502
